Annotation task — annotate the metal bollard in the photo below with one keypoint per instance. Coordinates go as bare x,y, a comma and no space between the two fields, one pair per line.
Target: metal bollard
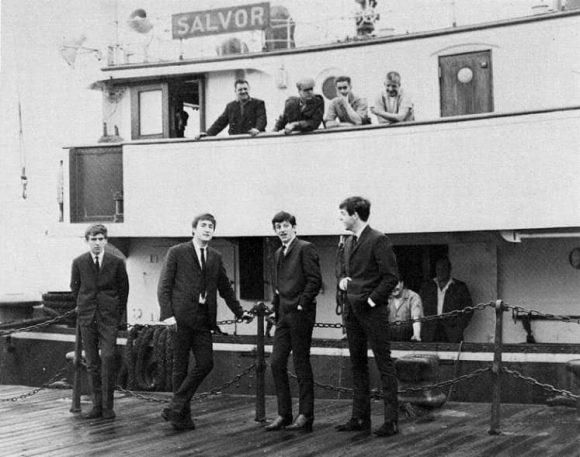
77,365
260,309
496,370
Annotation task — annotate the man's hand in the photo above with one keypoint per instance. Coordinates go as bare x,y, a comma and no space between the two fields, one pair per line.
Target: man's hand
253,132
343,284
371,303
170,322
247,317
289,127
415,338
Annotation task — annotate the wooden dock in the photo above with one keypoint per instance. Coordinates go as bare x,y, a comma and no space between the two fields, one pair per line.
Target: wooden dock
41,425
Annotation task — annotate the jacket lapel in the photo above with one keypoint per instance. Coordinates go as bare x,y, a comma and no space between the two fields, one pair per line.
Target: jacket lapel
193,254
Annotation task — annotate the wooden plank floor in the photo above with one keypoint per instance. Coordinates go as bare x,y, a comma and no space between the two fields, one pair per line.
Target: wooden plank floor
42,425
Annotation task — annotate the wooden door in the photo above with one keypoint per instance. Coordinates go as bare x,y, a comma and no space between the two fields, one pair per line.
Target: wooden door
466,84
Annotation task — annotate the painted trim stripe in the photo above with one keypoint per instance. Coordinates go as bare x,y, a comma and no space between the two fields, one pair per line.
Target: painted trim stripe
519,357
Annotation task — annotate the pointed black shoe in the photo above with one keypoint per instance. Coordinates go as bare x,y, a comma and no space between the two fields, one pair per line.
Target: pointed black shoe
278,424
302,423
183,424
387,429
94,413
355,425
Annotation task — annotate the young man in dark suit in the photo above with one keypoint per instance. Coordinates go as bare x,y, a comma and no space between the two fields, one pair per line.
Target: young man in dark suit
100,287
297,281
369,274
192,275
245,115
441,295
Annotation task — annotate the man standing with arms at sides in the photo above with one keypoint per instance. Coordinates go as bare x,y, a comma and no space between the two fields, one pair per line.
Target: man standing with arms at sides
192,275
297,279
245,115
393,104
444,294
303,113
369,275
346,108
100,288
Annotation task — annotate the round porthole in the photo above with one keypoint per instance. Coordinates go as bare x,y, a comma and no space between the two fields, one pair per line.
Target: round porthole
329,87
574,258
465,75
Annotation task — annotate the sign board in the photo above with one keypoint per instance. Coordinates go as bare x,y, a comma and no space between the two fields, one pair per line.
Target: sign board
223,20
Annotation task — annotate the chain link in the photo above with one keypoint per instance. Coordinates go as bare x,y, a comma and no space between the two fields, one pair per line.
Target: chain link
34,391
378,394
545,387
47,323
450,314
533,313
215,391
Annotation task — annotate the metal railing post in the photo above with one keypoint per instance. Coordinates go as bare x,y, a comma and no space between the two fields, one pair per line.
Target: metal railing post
77,365
496,370
260,365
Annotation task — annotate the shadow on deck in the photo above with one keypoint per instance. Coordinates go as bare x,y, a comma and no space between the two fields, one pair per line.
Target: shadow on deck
42,425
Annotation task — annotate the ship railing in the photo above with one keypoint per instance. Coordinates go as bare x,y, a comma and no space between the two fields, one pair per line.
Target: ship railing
149,352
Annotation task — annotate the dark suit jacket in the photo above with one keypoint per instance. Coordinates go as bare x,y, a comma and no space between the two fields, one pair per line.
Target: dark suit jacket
106,291
457,297
372,265
254,117
309,114
297,277
182,281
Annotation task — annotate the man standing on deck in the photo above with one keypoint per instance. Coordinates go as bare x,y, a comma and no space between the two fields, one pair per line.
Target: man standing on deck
192,275
100,288
393,104
303,113
245,115
297,281
368,276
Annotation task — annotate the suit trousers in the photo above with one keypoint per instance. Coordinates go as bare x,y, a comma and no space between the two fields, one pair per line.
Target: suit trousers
187,379
100,368
293,334
371,327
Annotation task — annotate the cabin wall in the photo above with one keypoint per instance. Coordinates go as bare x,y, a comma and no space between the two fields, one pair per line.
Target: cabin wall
534,66
534,274
537,275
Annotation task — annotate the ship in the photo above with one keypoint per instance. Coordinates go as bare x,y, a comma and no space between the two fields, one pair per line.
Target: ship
486,173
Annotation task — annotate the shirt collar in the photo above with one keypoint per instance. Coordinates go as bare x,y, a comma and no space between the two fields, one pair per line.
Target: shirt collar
286,246
359,232
446,285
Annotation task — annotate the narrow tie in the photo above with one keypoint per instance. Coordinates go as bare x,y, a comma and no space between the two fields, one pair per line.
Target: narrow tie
97,264
202,259
354,240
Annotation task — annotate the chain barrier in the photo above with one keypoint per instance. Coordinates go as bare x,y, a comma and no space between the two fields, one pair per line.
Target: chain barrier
34,391
47,323
545,387
450,314
378,394
215,391
533,313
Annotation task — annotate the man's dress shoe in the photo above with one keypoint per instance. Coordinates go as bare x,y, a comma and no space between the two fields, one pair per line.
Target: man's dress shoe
108,414
183,424
389,428
301,423
355,425
94,413
278,424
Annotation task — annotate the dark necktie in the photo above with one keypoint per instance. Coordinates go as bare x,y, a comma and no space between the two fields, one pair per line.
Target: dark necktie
354,240
97,265
202,259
